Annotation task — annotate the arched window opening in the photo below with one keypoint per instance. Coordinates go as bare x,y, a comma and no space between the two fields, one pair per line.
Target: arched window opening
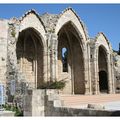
65,59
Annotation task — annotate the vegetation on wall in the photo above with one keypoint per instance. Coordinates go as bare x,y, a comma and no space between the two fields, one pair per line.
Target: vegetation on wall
53,85
15,109
13,32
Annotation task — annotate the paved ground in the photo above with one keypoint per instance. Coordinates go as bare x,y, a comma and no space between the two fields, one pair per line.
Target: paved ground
108,106
7,113
110,101
112,105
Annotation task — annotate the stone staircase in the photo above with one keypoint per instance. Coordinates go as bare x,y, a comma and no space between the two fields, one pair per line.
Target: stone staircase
79,100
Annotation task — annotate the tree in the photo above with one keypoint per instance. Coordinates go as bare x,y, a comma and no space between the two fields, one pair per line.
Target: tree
119,49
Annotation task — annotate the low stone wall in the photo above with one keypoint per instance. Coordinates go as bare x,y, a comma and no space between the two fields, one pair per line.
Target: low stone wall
37,102
34,103
52,110
62,111
47,103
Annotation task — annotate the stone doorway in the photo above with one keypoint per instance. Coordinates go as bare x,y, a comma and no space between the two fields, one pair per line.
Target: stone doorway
69,39
29,51
103,70
103,82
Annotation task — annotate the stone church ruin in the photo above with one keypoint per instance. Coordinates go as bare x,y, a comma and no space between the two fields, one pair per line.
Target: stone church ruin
54,47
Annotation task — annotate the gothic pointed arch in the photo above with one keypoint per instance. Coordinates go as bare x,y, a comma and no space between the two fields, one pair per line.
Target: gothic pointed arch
103,55
72,37
101,39
32,20
69,15
30,49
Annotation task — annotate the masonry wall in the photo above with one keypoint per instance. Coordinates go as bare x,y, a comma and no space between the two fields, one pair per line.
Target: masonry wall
3,50
60,111
77,76
47,103
34,103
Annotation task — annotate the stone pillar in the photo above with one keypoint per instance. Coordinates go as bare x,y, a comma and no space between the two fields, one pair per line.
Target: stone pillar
94,68
112,74
53,57
110,79
96,80
97,74
46,71
89,69
47,64
86,71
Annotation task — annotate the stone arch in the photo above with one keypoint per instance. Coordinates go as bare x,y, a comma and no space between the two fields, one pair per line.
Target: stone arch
103,69
70,16
68,37
32,20
103,51
102,40
30,57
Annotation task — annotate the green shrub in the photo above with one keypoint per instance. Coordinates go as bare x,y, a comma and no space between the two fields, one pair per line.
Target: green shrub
13,33
15,109
18,112
8,107
53,85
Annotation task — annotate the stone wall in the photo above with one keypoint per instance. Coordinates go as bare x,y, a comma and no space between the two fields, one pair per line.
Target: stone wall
67,31
96,63
61,111
34,103
47,103
38,102
3,50
117,71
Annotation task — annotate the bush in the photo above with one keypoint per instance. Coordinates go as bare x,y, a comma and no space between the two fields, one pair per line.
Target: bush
7,107
53,85
18,112
15,109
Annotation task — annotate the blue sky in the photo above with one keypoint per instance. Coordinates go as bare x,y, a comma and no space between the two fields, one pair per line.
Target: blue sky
97,17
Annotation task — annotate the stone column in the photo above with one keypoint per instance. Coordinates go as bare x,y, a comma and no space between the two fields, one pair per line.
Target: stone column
89,69
86,72
96,70
53,57
97,91
96,80
46,68
110,83
112,73
47,71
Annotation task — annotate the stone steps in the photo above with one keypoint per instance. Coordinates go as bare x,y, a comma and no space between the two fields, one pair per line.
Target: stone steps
74,100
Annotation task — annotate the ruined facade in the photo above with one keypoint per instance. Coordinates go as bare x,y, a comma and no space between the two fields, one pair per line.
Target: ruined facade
38,48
